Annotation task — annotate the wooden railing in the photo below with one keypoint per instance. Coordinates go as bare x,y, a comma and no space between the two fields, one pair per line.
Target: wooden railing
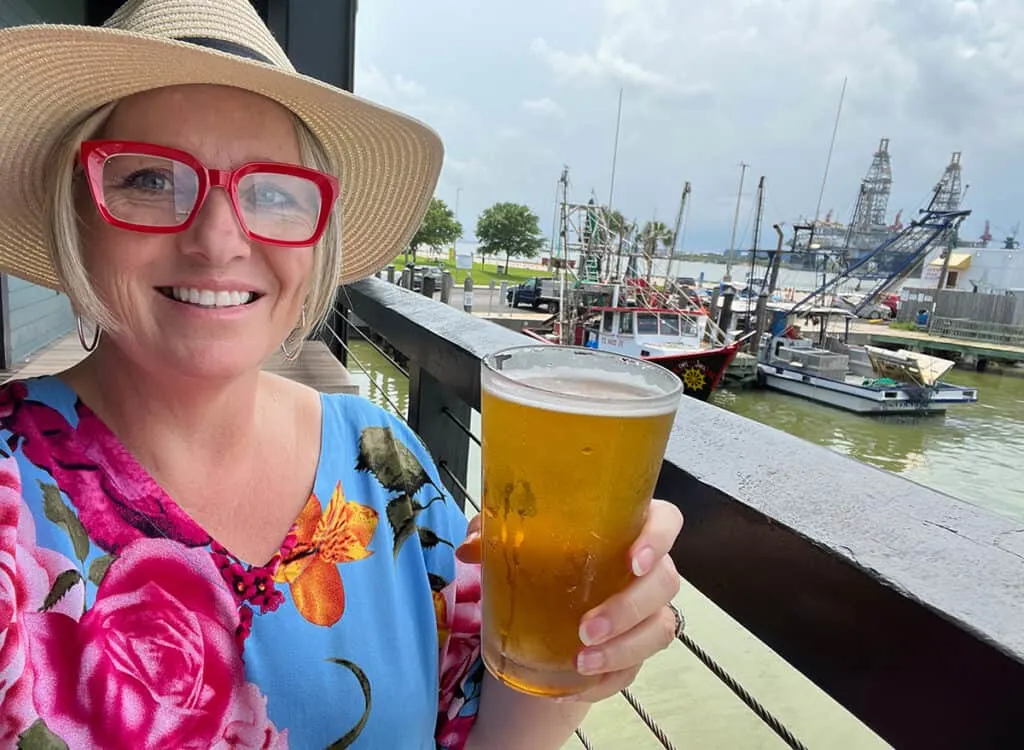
903,604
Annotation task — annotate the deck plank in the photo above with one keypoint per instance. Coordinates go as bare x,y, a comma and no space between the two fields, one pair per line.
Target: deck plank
315,366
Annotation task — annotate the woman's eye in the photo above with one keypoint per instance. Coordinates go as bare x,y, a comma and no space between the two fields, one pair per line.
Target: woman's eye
149,180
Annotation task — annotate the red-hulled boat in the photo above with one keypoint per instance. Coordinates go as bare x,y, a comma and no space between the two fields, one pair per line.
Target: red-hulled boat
673,338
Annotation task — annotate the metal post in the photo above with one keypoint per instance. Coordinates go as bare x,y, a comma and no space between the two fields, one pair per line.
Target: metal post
337,321
762,321
726,316
467,295
775,260
503,291
391,274
427,287
433,409
446,287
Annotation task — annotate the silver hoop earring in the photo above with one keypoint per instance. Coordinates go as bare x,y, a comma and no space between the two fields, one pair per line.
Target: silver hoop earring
88,346
291,356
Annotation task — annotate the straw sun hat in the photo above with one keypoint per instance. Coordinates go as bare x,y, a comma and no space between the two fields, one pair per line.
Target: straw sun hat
53,76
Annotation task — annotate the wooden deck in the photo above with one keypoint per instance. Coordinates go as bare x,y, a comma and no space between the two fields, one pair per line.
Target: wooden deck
315,365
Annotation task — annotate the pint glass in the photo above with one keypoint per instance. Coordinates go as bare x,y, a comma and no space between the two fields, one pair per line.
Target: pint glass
572,444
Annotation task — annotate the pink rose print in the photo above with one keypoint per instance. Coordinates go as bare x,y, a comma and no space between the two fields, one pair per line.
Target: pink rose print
116,501
11,396
27,573
462,599
455,733
249,728
153,663
459,628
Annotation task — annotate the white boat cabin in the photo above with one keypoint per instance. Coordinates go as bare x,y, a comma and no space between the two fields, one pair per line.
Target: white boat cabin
643,332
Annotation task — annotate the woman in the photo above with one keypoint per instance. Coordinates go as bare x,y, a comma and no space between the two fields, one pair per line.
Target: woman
195,553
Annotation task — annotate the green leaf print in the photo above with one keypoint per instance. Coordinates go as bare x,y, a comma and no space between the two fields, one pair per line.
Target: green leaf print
430,539
38,737
58,512
390,461
98,568
61,586
364,682
402,512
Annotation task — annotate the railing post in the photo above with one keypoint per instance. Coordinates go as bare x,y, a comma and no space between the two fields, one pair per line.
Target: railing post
427,287
446,287
337,321
467,295
435,413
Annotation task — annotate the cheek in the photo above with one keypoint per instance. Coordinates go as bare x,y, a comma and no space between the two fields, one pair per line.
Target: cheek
293,269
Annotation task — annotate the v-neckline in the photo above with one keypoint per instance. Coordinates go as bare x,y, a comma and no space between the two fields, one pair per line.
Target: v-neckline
111,442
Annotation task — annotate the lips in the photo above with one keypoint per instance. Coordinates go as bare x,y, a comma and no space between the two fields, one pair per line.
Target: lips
209,298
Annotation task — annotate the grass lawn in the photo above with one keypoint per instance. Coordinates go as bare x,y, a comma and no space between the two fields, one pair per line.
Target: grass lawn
483,273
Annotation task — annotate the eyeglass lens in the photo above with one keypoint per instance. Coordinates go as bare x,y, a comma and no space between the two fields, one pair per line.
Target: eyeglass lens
156,191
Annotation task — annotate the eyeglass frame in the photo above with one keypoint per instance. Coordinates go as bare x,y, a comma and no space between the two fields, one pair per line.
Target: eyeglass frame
93,155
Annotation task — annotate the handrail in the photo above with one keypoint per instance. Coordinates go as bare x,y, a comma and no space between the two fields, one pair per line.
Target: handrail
902,603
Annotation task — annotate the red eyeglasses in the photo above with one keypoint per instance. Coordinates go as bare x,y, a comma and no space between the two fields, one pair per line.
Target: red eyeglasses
148,188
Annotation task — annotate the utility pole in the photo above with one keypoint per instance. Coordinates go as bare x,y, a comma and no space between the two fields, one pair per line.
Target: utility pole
735,221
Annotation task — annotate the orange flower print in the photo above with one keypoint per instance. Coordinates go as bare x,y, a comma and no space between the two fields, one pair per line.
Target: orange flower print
340,533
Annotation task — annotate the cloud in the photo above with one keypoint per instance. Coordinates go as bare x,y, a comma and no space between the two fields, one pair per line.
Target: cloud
544,106
705,86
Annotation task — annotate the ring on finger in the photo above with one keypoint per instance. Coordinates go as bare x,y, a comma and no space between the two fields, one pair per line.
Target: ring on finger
680,620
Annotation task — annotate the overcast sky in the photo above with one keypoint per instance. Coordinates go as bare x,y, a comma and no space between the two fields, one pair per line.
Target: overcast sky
517,89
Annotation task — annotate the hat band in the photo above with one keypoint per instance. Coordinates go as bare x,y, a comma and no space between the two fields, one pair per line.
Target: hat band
223,45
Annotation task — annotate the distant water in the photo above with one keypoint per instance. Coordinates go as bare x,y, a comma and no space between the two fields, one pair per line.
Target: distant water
973,452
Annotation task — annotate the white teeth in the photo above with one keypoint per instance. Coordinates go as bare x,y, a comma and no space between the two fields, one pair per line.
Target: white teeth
210,298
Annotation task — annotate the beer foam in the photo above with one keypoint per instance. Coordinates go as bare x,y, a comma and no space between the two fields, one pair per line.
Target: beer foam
571,390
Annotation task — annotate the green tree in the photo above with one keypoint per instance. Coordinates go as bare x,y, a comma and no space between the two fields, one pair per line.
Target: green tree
509,228
653,235
438,229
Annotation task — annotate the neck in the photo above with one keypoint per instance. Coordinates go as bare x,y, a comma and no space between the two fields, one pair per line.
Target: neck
156,413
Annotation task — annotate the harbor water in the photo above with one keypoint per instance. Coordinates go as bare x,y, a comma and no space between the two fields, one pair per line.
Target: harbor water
972,452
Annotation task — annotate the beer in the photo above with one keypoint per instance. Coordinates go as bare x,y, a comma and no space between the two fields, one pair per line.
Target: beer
573,441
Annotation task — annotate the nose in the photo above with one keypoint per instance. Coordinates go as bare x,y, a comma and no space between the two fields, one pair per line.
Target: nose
216,235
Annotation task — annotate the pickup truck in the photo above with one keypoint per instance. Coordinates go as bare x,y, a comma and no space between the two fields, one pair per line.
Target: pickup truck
536,292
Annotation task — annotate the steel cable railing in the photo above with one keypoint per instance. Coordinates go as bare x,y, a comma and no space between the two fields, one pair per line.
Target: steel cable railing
738,690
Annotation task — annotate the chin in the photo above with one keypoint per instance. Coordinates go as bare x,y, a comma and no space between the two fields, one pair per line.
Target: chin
214,361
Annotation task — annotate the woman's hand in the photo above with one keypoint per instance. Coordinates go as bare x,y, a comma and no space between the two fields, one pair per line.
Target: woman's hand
633,625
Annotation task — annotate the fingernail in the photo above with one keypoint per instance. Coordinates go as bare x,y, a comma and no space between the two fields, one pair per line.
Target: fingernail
594,630
589,662
643,561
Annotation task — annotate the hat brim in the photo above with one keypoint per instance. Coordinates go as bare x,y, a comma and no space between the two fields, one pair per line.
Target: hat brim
52,76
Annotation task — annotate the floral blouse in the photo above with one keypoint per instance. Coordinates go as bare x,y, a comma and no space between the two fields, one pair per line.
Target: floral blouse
123,624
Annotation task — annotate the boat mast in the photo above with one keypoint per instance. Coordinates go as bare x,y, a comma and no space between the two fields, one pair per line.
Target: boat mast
611,185
675,234
758,217
564,264
735,221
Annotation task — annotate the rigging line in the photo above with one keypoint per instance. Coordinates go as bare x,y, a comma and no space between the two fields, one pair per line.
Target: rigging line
831,147
388,357
366,372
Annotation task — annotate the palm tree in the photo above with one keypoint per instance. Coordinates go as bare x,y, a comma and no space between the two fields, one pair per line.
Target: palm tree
654,234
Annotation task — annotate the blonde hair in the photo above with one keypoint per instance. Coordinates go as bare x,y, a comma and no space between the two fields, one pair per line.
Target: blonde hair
64,237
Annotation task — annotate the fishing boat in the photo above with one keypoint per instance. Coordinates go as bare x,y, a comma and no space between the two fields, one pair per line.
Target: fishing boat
670,337
860,379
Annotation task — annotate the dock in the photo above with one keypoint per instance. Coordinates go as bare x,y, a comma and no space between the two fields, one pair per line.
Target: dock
922,341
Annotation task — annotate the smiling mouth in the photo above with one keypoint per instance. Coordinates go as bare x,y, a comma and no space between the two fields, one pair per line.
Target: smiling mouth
207,297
